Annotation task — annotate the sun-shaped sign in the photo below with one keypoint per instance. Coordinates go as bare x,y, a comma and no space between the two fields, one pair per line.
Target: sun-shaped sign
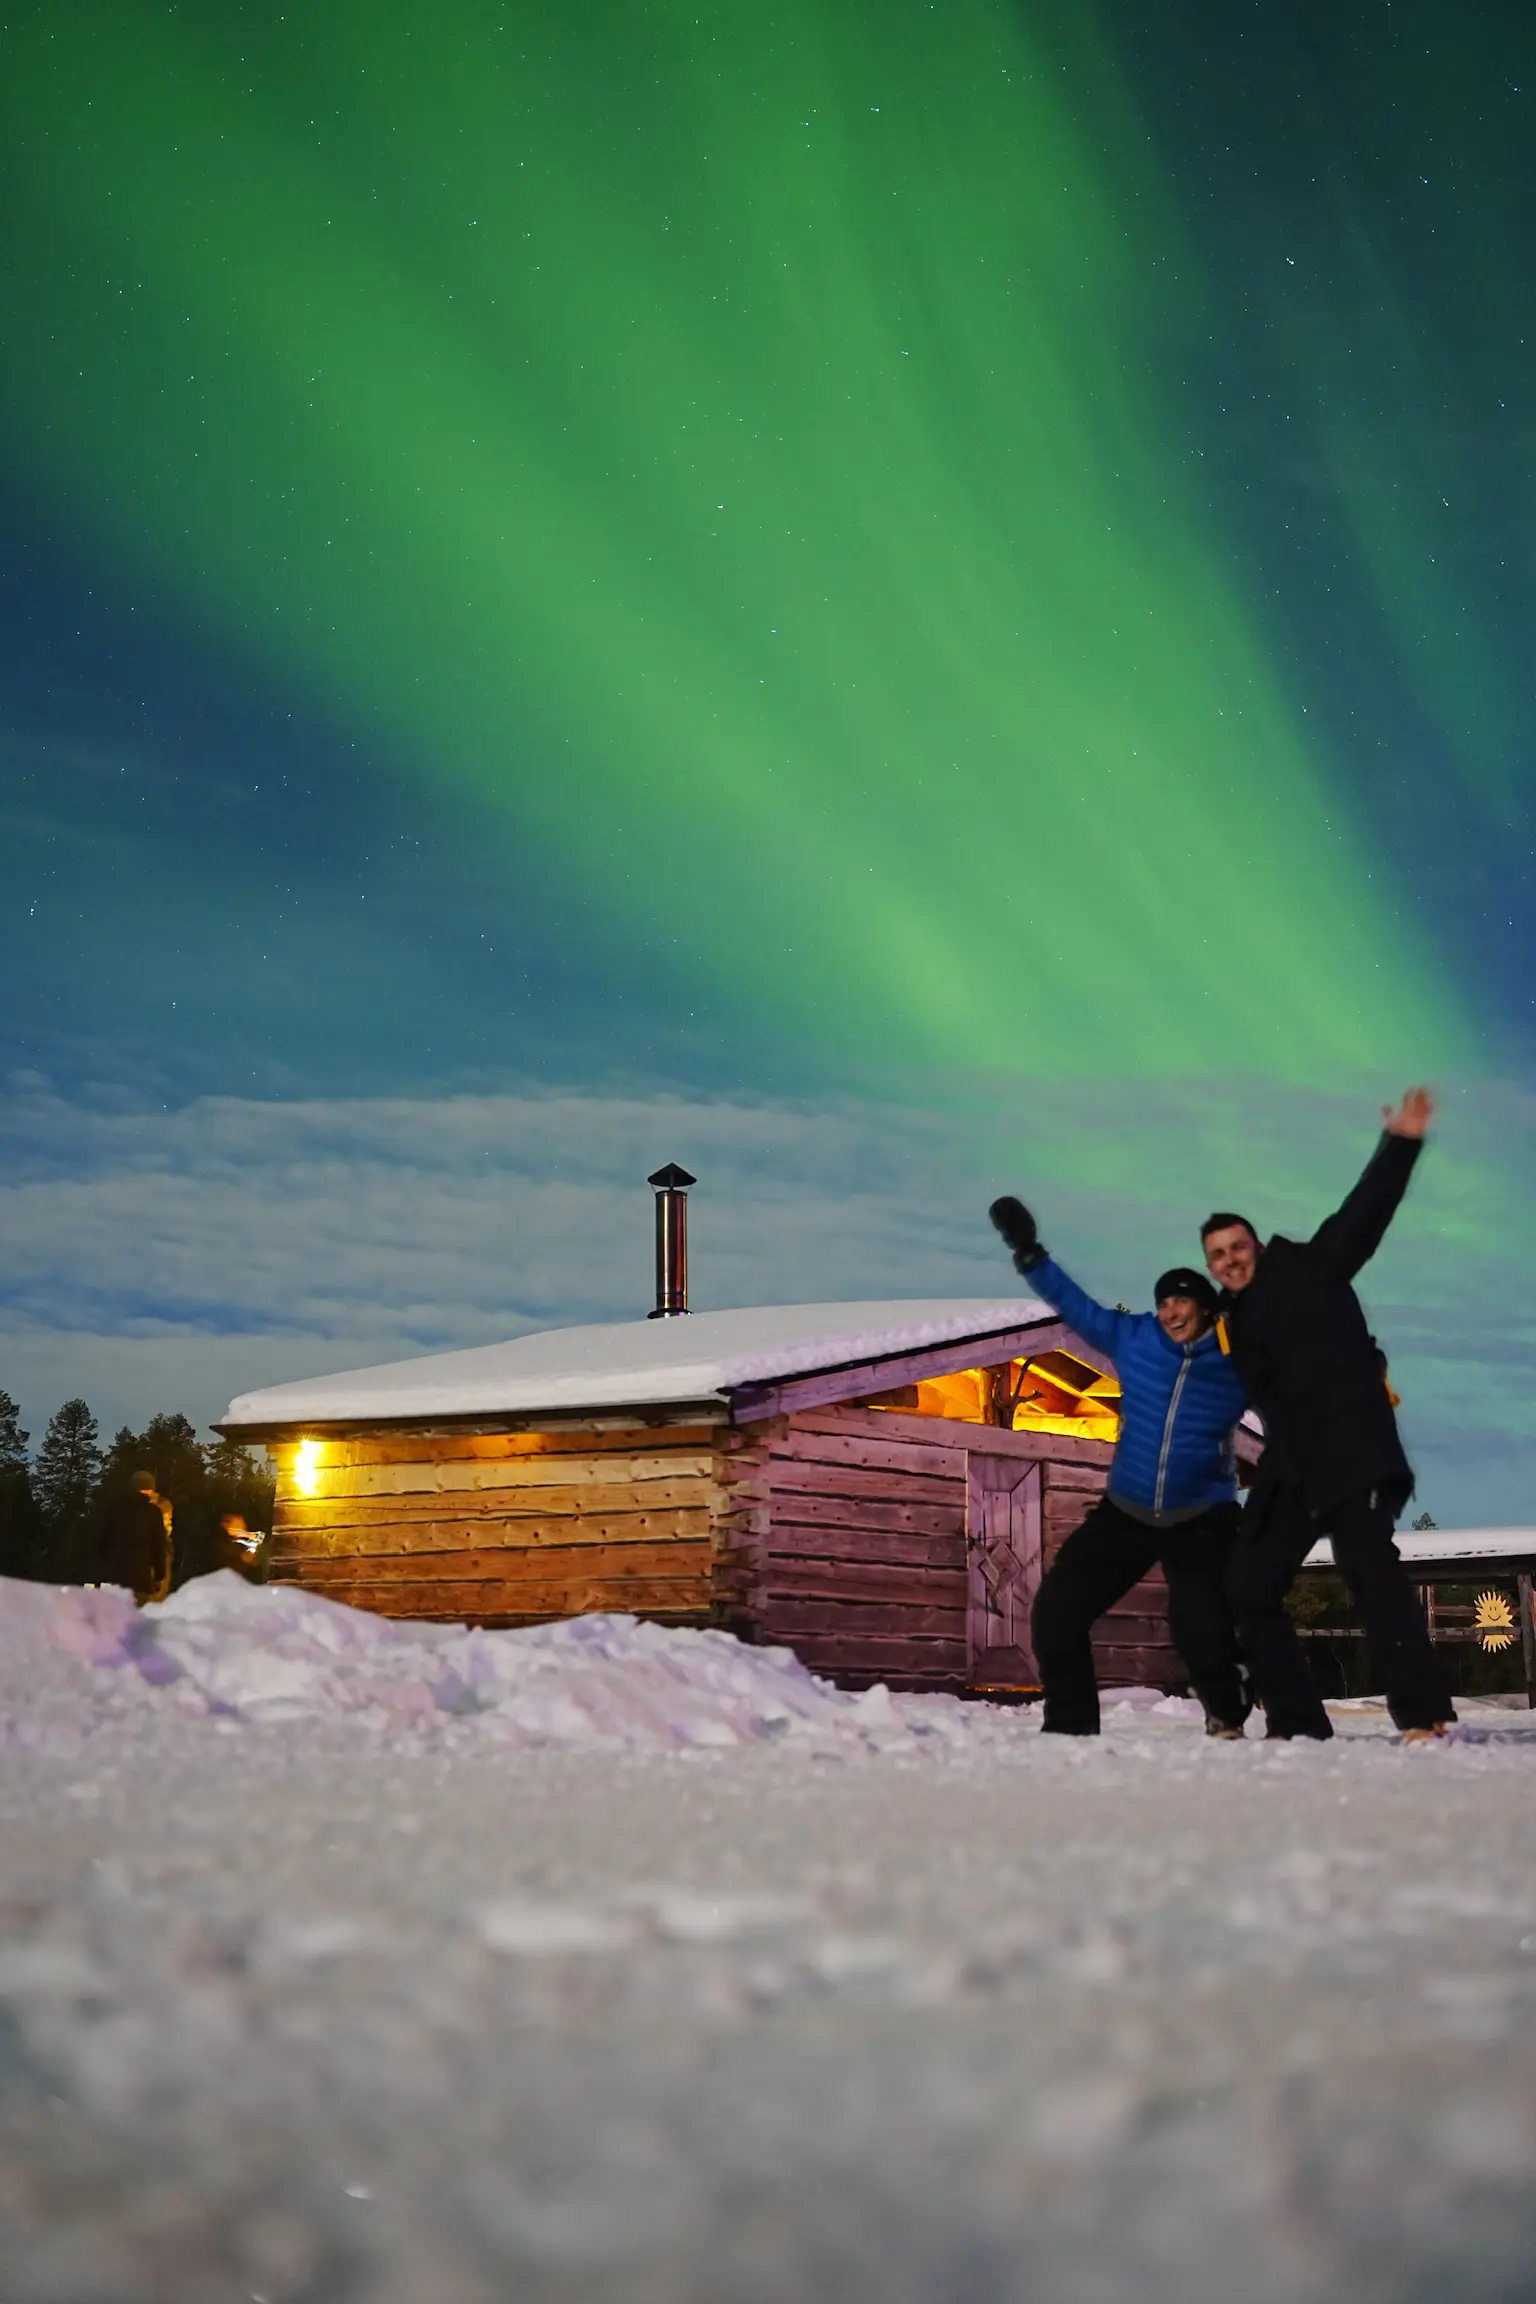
1494,1622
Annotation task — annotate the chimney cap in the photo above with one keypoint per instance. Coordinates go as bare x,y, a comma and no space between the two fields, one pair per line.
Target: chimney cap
671,1178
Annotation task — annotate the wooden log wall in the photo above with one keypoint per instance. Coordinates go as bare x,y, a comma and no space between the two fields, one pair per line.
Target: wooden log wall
850,1523
838,1532
510,1528
851,1529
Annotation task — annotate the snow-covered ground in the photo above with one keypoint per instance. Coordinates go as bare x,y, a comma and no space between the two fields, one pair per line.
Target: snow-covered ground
342,1963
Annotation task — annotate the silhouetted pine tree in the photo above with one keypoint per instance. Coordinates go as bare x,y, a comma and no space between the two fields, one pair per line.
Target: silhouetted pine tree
64,1482
13,1441
238,1483
21,1527
171,1446
121,1461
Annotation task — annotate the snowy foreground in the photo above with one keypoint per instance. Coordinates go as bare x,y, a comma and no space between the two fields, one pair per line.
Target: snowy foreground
341,1961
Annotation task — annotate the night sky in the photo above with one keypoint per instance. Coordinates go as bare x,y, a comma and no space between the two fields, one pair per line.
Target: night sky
889,598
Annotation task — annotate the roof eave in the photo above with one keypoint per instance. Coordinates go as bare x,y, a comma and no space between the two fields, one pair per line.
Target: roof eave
712,1409
747,1403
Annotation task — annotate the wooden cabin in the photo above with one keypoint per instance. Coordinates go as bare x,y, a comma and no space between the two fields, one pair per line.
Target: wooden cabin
876,1486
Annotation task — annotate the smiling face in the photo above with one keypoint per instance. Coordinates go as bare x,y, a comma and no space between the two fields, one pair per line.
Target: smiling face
1232,1257
1182,1318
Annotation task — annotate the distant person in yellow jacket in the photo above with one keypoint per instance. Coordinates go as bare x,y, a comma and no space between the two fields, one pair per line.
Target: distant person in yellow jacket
136,1546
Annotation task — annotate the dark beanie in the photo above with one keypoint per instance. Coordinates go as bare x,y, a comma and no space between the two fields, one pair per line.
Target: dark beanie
1183,1281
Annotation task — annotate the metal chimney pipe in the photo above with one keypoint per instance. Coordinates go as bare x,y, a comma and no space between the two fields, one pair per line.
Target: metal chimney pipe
670,1185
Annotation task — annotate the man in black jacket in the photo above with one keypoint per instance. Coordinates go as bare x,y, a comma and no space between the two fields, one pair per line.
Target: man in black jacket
136,1541
1333,1462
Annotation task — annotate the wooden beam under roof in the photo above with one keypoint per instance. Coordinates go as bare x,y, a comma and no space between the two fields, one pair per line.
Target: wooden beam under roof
783,1396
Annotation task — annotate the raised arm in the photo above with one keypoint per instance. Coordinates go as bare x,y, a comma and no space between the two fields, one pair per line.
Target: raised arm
1096,1323
1351,1236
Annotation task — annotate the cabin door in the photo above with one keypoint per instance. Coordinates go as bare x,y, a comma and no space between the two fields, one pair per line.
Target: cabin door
1004,1561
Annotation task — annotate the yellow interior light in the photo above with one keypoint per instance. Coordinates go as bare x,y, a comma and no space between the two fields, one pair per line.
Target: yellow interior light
1055,1393
306,1467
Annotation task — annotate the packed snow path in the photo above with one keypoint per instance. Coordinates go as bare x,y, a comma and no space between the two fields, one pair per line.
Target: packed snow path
344,1963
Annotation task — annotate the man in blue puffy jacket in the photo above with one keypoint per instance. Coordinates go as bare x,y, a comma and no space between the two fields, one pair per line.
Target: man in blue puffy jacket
1172,1493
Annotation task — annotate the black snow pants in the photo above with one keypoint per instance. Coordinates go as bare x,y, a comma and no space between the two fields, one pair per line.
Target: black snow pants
1278,1531
1096,1566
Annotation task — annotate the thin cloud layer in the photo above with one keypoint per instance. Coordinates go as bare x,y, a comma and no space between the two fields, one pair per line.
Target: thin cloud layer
172,1258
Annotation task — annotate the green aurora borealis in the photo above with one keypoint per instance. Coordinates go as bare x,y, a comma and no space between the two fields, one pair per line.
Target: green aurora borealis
728,456
885,597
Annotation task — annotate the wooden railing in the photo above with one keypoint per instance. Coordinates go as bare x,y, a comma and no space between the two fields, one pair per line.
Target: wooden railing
1453,1622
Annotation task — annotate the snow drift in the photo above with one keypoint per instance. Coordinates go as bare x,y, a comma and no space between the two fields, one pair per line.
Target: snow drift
221,1646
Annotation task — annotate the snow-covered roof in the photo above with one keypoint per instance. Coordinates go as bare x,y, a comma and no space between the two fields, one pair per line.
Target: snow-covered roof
637,1363
1445,1545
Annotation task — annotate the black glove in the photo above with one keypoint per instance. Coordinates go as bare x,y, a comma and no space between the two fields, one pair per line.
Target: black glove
1017,1227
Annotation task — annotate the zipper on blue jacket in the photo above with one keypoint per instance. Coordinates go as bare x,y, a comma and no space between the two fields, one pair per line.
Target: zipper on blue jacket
1173,1409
